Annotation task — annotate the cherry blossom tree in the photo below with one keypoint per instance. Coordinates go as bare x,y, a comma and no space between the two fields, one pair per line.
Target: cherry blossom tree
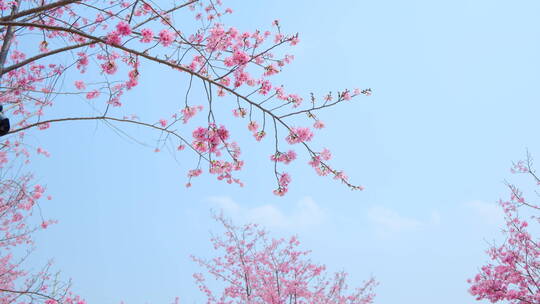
513,275
19,203
255,268
96,51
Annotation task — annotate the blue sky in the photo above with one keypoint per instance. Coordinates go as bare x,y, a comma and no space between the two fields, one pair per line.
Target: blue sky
455,102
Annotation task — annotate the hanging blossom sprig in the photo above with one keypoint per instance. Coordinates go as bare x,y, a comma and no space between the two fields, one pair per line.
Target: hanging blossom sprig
104,47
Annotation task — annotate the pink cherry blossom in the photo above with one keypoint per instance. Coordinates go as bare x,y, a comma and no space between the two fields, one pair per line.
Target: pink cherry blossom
259,135
318,124
147,35
79,84
189,112
166,38
123,28
93,94
114,38
240,112
298,135
110,67
253,126
285,158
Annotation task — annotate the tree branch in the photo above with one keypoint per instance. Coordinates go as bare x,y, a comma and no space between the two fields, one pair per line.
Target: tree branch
7,39
37,57
38,9
171,132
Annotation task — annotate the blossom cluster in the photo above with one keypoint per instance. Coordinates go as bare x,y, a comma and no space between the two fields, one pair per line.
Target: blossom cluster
513,273
255,268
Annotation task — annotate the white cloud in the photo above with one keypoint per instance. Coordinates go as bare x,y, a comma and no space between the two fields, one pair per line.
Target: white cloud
435,218
391,220
305,213
388,222
489,212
